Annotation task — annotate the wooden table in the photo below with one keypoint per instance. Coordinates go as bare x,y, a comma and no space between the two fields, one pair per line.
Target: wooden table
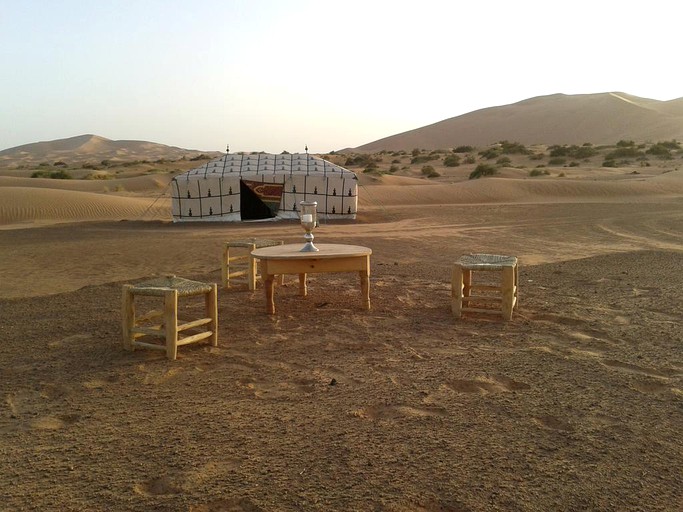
288,259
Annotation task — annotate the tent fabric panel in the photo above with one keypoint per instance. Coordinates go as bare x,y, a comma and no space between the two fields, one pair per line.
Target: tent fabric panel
212,191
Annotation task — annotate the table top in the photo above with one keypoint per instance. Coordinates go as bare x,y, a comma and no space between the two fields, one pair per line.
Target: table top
293,252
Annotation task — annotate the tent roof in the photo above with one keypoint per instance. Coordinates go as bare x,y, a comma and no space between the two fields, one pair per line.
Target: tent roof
265,163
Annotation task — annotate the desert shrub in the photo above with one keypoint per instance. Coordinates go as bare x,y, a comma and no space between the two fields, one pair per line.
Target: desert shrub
99,176
371,166
490,153
105,162
538,172
574,164
55,175
396,161
59,164
574,151
624,152
463,149
415,152
557,150
451,161
44,164
585,151
393,168
626,144
557,161
561,175
429,171
358,160
504,161
513,148
202,156
536,156
670,144
609,163
469,159
659,150
420,159
483,170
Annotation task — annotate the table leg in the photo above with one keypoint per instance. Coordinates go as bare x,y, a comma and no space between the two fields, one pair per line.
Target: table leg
303,291
269,286
365,289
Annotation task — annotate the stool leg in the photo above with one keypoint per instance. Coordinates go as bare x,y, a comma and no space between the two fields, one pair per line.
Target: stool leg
225,269
212,313
516,300
457,290
128,317
508,286
171,323
251,278
467,282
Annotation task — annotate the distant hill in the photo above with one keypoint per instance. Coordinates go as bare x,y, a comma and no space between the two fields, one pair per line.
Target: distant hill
603,118
93,149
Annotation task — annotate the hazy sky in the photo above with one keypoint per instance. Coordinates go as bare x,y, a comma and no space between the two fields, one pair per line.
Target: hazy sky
278,75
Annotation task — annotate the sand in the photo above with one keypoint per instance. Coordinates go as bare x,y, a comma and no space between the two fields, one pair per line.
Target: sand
575,404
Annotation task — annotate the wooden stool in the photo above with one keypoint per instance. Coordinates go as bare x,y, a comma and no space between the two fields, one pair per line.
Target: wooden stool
241,267
502,294
170,288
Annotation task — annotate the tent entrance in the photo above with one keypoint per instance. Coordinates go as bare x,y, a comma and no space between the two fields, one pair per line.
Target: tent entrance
259,200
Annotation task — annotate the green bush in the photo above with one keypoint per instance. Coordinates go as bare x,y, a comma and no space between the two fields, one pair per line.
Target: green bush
422,159
429,171
538,172
358,160
609,163
504,161
624,152
659,150
451,161
557,161
463,149
483,170
513,148
490,153
626,144
55,175
469,159
574,151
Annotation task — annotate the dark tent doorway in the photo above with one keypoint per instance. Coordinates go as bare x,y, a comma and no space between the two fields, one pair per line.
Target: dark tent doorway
259,200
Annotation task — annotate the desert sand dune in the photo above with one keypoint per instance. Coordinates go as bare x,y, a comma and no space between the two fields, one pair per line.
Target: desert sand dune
575,404
22,205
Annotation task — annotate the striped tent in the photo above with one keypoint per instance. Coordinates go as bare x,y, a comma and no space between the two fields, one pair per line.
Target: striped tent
263,186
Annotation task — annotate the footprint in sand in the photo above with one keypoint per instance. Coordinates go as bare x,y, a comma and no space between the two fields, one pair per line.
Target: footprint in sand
54,422
277,390
495,384
394,412
176,483
632,368
159,486
69,341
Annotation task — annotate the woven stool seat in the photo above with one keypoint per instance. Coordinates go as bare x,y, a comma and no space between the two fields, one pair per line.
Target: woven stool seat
161,285
258,242
486,261
138,328
489,297
239,267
